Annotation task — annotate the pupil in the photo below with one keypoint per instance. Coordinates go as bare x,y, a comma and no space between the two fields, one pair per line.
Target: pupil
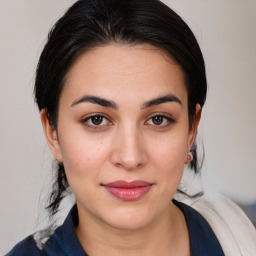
97,120
158,120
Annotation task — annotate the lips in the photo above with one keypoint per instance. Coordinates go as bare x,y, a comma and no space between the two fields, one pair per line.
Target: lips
128,191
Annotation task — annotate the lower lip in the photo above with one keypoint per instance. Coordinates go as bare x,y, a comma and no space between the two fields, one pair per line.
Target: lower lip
128,194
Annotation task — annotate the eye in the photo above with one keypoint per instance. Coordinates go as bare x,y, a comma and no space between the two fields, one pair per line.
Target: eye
96,121
160,120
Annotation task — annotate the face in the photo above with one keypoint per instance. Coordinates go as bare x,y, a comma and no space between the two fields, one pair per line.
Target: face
123,134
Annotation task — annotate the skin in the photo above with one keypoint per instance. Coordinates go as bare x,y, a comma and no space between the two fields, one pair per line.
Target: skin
127,144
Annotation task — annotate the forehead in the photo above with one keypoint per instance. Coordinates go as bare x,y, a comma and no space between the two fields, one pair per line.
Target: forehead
125,71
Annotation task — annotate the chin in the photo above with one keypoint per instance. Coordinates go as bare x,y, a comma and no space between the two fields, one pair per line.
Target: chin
129,219
128,224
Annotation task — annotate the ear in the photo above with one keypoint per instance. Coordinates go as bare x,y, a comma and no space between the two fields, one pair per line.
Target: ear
51,136
193,129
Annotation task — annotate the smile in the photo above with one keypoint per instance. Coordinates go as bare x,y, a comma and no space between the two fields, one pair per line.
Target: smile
128,191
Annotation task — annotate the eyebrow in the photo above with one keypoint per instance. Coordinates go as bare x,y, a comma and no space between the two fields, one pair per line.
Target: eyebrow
108,103
95,100
161,100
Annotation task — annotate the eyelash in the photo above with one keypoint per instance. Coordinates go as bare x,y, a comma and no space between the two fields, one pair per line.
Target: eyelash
168,120
88,121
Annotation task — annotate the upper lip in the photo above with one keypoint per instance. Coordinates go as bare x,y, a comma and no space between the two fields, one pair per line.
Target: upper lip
126,184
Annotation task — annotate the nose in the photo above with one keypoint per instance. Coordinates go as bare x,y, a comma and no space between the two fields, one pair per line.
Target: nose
129,150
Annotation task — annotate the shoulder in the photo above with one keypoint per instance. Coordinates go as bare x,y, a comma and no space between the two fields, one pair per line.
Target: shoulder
26,247
236,233
203,240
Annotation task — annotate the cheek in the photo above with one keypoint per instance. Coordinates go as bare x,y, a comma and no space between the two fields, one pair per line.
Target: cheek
171,151
170,166
168,157
83,154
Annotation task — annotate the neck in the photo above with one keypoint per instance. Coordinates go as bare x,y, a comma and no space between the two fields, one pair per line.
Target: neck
167,235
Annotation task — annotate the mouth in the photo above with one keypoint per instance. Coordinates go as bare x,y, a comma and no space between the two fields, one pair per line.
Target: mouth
128,191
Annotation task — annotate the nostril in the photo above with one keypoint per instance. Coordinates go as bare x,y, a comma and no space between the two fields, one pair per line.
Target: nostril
128,162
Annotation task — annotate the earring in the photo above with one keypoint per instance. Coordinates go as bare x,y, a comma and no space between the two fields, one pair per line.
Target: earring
189,157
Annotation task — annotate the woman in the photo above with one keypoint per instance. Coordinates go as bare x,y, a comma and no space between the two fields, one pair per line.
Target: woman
120,86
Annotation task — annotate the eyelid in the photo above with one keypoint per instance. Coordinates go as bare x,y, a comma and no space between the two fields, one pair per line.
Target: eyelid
91,126
170,120
166,116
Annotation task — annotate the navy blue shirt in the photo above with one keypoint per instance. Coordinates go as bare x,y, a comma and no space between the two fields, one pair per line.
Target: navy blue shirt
63,242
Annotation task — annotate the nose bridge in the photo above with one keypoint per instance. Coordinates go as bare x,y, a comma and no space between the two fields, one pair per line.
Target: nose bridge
129,149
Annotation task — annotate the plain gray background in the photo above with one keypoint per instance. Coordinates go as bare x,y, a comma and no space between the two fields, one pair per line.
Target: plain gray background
226,31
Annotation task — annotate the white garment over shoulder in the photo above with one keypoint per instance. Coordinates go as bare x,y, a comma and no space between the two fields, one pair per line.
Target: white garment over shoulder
234,230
